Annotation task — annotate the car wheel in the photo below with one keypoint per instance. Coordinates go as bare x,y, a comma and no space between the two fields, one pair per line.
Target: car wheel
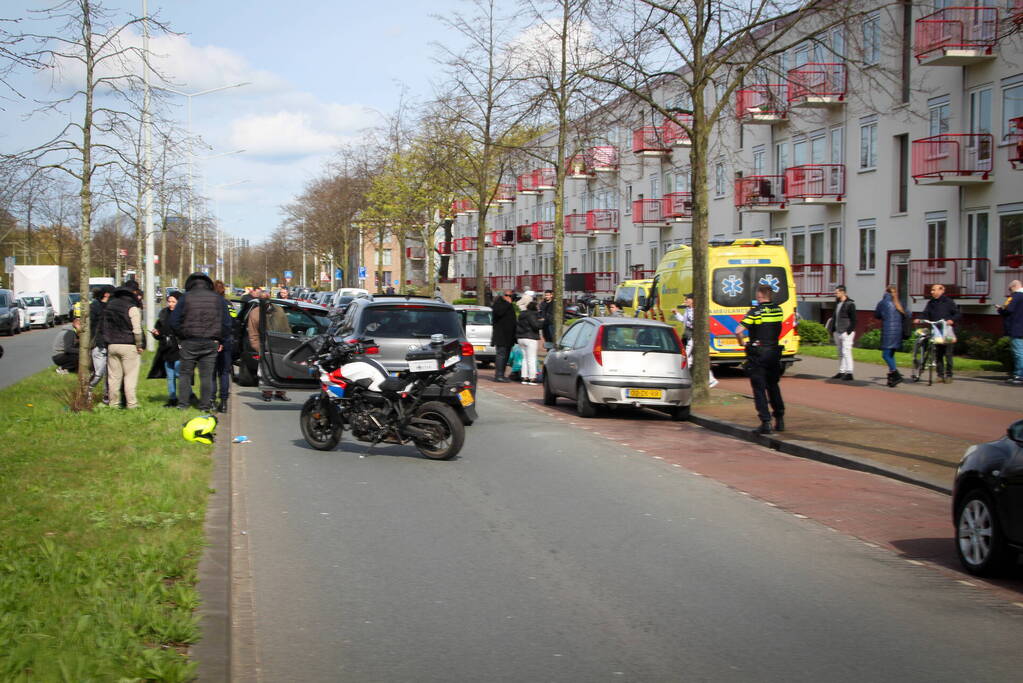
979,541
680,413
549,398
583,405
484,364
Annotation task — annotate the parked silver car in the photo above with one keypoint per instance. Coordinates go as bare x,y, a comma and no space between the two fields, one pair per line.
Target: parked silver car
479,329
619,361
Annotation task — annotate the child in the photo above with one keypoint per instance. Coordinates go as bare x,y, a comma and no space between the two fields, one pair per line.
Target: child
515,359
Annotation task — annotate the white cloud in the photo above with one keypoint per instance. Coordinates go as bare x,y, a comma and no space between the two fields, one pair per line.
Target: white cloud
284,134
204,67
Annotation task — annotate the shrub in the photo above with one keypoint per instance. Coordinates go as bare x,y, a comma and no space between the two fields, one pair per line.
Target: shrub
870,340
465,300
812,333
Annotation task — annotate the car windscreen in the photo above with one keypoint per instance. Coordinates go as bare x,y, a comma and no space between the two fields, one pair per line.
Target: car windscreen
410,321
74,297
477,318
34,301
624,295
736,287
643,338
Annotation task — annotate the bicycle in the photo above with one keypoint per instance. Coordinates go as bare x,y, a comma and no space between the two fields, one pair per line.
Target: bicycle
923,350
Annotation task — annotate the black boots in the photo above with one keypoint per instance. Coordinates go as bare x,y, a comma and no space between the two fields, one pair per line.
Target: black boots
764,428
779,424
222,405
894,378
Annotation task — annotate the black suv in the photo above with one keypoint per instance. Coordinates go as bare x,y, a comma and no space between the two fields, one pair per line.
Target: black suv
398,324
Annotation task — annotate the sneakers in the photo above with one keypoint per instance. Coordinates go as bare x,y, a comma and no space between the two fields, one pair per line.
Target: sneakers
1016,381
171,403
838,375
712,383
847,377
268,396
61,371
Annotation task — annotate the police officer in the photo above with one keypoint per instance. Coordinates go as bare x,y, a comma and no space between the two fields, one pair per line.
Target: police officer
763,358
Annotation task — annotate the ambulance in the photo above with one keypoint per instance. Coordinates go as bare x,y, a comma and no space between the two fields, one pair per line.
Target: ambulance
631,296
736,269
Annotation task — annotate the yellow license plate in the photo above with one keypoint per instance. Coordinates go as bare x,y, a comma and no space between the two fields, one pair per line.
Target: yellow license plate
643,393
479,349
465,396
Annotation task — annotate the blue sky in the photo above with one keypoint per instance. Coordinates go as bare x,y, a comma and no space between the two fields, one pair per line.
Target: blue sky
319,73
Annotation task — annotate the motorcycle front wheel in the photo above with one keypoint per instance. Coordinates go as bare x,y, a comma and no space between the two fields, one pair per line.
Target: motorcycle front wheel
318,428
447,433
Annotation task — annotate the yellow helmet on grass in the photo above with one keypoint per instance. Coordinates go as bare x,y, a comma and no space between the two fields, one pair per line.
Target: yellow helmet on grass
200,429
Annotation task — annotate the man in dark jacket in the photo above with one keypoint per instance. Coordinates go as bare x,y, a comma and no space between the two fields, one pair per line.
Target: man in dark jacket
547,317
201,322
941,307
1012,314
503,335
122,331
843,327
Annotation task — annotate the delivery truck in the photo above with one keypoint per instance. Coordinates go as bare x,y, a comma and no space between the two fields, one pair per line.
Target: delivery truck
49,279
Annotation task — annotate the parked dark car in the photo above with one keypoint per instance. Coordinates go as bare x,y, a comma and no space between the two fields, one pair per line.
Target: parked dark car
397,324
987,504
306,320
10,317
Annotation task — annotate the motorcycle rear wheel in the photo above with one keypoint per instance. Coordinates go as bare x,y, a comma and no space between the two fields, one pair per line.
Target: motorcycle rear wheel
319,430
447,427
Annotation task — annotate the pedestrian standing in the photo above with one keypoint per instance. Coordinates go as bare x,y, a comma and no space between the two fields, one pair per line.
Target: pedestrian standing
1012,314
685,314
223,368
199,323
98,343
276,321
843,327
763,324
942,307
892,315
167,360
527,332
503,333
122,329
547,319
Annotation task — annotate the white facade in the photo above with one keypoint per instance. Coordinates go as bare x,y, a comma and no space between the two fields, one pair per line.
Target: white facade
861,207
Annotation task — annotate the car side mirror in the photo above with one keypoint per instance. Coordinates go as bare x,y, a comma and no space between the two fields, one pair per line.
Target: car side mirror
1015,432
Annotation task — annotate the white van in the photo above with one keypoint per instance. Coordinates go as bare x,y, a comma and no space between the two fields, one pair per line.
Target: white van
39,307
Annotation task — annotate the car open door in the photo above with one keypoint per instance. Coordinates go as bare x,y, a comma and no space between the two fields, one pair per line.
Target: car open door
278,339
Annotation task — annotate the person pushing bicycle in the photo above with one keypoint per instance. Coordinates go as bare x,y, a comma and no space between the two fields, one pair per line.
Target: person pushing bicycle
941,307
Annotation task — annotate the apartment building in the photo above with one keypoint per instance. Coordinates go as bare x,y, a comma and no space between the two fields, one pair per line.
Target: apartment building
887,150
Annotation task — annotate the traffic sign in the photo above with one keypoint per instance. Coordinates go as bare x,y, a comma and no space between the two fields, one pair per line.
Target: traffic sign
362,272
288,275
339,274
273,281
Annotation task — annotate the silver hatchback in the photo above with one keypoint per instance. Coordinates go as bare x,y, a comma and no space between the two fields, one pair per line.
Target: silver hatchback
479,328
619,361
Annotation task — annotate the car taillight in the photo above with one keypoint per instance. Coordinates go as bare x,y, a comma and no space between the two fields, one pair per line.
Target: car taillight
467,350
598,347
681,348
372,350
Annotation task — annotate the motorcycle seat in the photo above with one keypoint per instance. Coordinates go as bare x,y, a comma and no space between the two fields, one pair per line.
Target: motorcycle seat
363,382
392,385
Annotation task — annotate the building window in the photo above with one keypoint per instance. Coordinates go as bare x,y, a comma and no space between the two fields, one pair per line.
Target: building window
976,235
719,179
838,43
902,186
868,146
1010,238
939,113
868,246
385,257
1012,106
872,38
758,160
834,243
781,157
936,238
628,200
798,248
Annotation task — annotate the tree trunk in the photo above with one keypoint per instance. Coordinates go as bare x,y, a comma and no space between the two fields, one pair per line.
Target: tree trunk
85,260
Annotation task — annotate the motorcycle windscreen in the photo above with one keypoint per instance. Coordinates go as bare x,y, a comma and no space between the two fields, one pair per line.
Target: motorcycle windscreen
282,331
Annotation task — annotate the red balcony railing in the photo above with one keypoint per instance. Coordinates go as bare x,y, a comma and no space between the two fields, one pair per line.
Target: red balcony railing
537,283
764,192
815,183
462,206
1016,134
953,158
963,278
603,158
444,248
763,103
505,194
591,282
524,233
641,273
545,178
463,244
678,206
602,220
673,131
649,140
415,253
956,35
467,284
501,282
817,84
577,166
501,239
648,212
575,225
543,231
817,279
526,184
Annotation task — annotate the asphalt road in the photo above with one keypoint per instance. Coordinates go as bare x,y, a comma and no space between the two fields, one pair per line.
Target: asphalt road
548,554
26,354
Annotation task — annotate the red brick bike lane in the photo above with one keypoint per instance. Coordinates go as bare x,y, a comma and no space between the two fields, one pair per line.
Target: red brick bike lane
911,521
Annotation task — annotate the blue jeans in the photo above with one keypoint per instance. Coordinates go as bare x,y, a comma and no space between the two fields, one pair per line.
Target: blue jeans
889,357
1017,351
172,377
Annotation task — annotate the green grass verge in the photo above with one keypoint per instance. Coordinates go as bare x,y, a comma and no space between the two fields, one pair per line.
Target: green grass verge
902,360
102,531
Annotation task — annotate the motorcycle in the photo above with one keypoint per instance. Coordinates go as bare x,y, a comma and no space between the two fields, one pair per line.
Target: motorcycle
357,393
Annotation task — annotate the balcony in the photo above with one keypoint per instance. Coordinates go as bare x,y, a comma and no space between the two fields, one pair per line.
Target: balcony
499,283
760,193
956,36
953,159
649,141
641,273
444,248
524,233
815,184
591,282
678,207
542,231
467,284
537,283
600,221
461,207
501,239
417,253
1016,136
648,212
464,244
505,194
764,104
575,225
673,132
817,279
817,84
964,278
603,159
577,167
545,178
526,184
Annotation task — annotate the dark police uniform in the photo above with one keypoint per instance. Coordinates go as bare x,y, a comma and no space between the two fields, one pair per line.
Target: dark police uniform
763,358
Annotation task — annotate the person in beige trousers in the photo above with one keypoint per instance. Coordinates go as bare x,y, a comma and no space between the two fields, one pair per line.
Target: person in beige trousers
122,328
